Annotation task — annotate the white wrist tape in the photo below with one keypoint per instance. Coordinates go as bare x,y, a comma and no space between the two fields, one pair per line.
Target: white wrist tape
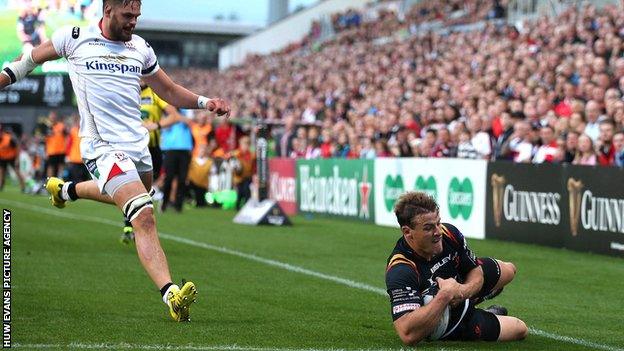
202,102
19,69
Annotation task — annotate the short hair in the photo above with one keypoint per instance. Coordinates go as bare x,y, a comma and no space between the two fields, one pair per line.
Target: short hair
118,2
414,203
432,130
608,121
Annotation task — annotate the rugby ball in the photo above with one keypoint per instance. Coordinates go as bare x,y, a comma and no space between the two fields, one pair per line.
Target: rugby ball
439,330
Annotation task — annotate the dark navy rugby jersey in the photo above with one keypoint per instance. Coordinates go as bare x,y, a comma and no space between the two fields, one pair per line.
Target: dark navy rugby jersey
409,276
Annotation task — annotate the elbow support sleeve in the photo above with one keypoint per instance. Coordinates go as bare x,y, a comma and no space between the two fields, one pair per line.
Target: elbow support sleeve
19,69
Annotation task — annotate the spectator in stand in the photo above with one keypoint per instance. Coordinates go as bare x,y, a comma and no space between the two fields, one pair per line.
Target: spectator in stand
342,146
404,147
586,155
480,140
313,149
548,151
225,134
425,147
444,147
606,151
284,140
501,146
521,144
592,115
299,148
546,71
577,122
381,148
368,149
571,146
465,148
327,144
618,145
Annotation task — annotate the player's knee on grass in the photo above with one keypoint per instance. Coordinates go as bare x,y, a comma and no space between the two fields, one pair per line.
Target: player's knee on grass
511,328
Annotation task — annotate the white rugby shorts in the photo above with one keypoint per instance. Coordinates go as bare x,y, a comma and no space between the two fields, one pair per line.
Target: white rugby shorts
106,160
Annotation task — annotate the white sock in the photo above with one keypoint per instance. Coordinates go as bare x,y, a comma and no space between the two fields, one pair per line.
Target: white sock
167,293
64,194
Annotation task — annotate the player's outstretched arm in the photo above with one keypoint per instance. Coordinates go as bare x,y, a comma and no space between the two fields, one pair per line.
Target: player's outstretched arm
21,67
181,97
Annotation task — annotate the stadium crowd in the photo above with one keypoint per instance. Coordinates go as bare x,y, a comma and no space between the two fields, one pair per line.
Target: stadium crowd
550,91
389,85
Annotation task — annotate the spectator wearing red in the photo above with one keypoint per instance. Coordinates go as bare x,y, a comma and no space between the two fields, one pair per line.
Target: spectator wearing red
226,135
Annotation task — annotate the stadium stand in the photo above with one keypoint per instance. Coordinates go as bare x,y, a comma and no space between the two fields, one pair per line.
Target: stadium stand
390,79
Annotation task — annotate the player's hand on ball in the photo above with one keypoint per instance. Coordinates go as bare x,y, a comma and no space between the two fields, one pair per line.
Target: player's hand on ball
219,106
452,288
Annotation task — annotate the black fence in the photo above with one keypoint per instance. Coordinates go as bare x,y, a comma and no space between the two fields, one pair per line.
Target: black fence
576,207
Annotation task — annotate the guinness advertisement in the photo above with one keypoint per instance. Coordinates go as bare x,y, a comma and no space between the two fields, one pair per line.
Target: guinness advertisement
575,207
595,198
50,90
525,203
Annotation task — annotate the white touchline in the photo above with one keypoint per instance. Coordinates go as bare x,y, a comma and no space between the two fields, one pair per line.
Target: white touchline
123,346
286,266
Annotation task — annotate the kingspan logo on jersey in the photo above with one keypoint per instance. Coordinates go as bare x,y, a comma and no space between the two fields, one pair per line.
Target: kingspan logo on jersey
114,65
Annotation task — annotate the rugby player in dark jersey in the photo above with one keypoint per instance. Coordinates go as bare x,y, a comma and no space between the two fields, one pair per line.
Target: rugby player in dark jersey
432,261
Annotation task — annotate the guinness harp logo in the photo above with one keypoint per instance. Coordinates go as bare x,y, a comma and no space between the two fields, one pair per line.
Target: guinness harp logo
498,183
574,190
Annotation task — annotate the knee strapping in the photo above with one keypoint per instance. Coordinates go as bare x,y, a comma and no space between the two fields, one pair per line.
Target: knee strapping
135,205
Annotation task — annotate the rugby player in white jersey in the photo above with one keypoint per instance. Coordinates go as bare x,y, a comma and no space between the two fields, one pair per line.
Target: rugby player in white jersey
105,63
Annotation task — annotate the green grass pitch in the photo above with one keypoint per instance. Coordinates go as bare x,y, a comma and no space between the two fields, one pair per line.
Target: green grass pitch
75,286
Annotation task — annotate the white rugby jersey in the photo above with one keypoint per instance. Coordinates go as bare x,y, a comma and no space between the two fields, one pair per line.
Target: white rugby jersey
105,76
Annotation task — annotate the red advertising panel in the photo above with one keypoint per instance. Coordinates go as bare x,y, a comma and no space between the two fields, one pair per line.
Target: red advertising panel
282,183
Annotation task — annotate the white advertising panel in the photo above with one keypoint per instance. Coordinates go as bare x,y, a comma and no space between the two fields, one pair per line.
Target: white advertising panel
458,185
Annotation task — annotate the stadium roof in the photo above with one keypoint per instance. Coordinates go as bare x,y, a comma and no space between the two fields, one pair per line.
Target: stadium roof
223,27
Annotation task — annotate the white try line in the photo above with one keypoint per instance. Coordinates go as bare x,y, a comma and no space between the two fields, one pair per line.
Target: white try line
126,346
286,266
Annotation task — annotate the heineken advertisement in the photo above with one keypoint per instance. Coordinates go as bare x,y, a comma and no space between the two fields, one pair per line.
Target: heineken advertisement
457,185
336,187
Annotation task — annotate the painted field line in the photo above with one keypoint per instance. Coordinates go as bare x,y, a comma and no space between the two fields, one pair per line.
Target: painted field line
286,266
126,346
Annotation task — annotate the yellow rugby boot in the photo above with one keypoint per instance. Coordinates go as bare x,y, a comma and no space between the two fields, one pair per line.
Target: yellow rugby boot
180,300
53,185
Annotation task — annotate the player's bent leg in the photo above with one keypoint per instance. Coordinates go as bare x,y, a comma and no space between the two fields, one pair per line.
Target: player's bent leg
137,206
135,203
61,191
511,328
507,274
90,190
